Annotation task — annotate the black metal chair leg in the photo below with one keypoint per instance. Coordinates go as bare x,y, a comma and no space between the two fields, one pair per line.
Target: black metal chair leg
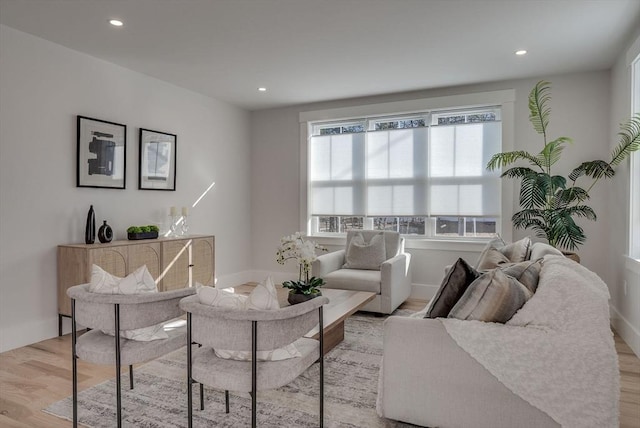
321,328
201,397
254,371
189,379
74,361
130,376
59,325
226,401
118,367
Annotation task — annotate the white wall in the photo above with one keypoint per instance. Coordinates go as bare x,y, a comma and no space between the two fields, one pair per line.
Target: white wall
580,109
43,86
625,301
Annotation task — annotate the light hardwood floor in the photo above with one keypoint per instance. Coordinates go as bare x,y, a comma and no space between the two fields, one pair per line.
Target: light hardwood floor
33,377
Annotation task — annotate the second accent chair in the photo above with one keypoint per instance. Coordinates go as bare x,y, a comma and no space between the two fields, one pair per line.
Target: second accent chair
372,261
250,331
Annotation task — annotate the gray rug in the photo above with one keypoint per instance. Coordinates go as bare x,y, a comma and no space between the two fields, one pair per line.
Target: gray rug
159,398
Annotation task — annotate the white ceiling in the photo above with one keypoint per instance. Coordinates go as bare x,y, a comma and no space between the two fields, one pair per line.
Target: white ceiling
315,50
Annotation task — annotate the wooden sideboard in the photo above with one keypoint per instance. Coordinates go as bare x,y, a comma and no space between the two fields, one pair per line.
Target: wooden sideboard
174,263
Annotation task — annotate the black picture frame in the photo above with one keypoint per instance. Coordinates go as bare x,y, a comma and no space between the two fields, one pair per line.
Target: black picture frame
157,160
101,153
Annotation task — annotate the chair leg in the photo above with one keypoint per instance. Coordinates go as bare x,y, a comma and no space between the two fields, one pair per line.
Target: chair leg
226,401
74,362
254,371
201,397
321,328
130,376
189,379
118,367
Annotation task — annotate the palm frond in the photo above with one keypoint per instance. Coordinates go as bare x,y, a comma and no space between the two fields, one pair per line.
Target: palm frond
563,231
518,172
538,109
629,140
583,211
572,195
507,158
551,152
595,169
534,190
530,219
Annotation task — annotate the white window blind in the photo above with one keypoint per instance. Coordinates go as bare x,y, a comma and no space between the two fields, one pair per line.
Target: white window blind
427,165
459,184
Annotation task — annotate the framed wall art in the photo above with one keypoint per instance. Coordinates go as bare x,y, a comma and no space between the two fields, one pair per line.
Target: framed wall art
157,169
101,153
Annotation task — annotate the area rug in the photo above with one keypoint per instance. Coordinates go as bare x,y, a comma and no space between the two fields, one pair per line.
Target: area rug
159,399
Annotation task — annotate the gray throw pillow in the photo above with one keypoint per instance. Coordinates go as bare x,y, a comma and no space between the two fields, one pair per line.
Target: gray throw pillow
453,286
493,297
362,255
527,273
495,254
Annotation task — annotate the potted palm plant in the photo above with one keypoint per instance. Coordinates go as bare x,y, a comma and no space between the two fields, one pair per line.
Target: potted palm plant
551,202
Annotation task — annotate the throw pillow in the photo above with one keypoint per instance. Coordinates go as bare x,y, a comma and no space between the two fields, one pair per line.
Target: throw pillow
491,259
540,249
220,297
493,297
361,255
138,282
453,286
263,297
495,254
527,273
518,251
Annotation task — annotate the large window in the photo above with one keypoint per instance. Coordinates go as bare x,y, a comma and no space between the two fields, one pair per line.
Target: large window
634,227
419,173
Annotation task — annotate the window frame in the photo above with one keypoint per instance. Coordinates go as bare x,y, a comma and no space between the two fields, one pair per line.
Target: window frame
503,99
634,169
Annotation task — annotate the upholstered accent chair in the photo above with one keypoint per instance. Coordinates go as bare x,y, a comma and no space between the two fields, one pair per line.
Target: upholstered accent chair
250,330
116,313
391,281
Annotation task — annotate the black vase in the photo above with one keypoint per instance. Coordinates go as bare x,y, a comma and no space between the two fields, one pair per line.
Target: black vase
105,233
90,230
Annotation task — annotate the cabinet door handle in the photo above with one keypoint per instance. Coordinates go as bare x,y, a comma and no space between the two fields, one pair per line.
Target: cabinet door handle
191,265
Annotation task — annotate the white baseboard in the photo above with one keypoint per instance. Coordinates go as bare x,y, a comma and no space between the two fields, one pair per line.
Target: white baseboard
626,331
19,335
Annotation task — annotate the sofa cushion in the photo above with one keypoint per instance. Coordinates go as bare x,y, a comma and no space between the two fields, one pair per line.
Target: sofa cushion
527,273
365,255
493,297
453,286
393,241
354,279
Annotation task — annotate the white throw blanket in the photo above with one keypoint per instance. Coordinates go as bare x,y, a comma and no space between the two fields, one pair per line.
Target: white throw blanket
557,352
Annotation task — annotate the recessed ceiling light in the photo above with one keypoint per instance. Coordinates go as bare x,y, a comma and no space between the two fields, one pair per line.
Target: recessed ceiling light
262,89
116,22
521,52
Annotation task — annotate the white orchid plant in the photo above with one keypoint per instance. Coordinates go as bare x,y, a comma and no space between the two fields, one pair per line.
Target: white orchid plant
303,251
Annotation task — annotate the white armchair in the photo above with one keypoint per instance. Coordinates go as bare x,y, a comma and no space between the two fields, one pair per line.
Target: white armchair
391,283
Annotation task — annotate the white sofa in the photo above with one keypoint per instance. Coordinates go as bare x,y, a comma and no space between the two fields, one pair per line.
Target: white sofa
553,364
391,283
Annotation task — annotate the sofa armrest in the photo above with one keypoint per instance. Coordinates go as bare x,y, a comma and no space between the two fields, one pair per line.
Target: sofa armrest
327,263
426,378
396,274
